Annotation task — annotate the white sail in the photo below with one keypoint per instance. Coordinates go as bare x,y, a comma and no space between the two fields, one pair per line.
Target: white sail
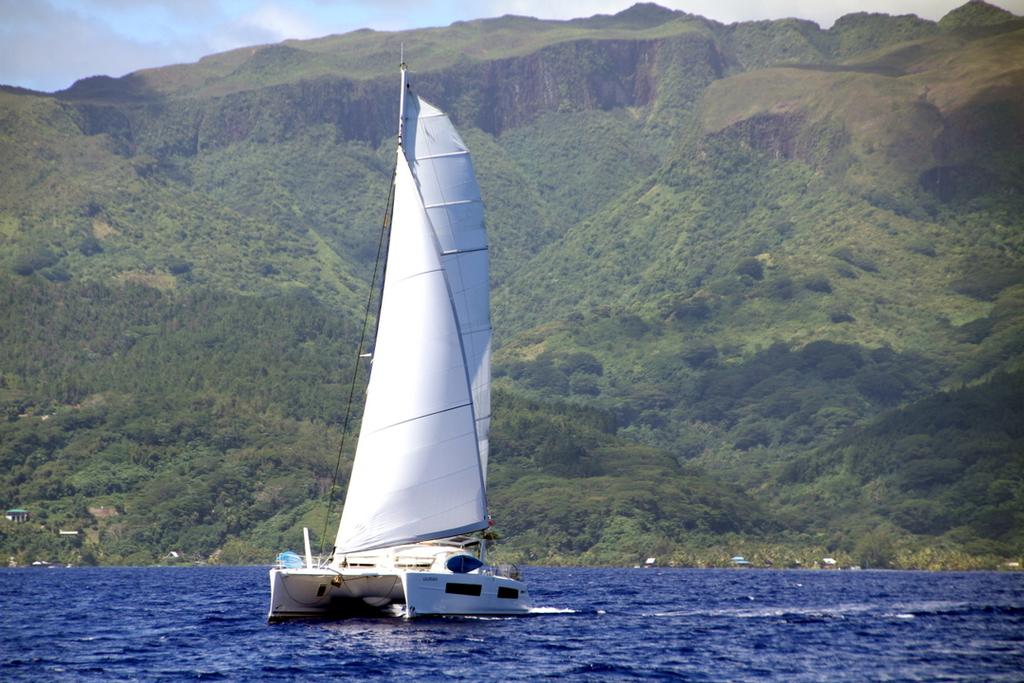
420,466
444,174
417,473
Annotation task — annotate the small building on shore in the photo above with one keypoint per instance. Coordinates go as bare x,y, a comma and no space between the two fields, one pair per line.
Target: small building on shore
17,515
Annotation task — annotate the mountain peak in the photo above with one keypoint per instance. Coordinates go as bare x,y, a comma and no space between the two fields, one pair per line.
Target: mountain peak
641,15
647,11
975,13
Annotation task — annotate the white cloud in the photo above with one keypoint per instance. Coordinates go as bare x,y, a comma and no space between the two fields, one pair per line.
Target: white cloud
49,44
47,48
280,23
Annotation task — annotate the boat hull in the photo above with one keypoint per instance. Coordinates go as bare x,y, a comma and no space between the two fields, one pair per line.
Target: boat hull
430,593
315,593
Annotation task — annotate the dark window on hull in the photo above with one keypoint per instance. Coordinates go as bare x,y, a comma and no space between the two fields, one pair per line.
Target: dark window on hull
463,588
510,593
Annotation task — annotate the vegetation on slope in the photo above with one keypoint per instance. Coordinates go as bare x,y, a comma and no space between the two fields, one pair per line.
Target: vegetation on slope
758,288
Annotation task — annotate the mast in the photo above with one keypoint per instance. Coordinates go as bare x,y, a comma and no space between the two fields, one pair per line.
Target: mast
401,99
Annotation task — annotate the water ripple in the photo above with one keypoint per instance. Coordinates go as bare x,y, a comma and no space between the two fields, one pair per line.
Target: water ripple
170,624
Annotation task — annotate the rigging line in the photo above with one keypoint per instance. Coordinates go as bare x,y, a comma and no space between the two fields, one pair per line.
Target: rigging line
384,229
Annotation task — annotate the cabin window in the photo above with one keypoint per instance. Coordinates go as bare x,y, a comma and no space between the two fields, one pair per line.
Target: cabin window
321,590
463,588
506,592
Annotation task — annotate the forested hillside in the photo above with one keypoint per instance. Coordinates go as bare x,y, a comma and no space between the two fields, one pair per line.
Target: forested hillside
758,288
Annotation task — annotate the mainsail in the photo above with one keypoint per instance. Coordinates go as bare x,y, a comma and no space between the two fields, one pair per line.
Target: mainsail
422,451
444,173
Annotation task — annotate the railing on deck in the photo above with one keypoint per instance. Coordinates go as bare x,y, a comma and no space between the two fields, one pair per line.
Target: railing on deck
291,560
509,571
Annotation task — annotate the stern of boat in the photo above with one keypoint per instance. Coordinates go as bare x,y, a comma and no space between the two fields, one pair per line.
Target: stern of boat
473,594
298,593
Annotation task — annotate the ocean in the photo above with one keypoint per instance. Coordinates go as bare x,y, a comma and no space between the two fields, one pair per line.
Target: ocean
209,623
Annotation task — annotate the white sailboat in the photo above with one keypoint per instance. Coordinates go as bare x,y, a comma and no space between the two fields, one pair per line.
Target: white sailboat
410,532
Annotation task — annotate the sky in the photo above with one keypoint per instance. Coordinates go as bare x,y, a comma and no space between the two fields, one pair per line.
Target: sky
48,44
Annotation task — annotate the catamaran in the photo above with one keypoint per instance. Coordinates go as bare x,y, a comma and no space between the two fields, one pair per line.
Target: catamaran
414,522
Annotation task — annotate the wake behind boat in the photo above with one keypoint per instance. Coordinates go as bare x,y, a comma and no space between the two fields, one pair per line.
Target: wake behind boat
411,531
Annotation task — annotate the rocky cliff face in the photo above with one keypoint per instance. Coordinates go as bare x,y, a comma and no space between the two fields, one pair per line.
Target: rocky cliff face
492,96
666,76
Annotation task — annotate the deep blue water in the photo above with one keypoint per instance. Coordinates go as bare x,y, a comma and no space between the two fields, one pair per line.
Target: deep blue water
591,624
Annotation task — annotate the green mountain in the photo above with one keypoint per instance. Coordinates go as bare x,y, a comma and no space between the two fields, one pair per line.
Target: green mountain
758,288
